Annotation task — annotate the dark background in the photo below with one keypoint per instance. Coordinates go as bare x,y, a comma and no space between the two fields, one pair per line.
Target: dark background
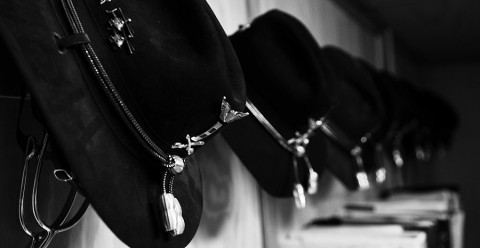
437,46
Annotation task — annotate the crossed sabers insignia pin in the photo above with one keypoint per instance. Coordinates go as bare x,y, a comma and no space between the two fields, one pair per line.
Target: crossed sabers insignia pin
189,145
121,31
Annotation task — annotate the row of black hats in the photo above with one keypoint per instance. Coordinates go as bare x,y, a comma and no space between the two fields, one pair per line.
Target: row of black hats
129,90
315,108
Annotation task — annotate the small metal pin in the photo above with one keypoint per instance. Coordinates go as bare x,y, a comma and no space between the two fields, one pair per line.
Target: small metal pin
120,22
227,115
116,23
120,28
189,146
117,39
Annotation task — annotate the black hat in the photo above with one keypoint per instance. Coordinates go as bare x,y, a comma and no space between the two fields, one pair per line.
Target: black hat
354,120
437,123
128,90
375,164
404,97
289,93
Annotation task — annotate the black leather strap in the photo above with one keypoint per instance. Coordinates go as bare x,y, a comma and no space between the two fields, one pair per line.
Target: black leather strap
73,40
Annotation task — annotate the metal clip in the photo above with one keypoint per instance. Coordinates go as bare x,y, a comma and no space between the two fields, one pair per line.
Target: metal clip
299,144
298,191
312,178
227,115
361,175
299,196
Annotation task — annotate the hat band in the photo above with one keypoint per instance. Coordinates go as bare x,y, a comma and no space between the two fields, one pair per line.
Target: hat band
297,147
227,115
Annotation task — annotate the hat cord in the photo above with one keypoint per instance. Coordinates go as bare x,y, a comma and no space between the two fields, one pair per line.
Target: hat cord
397,153
173,164
171,210
354,150
297,147
110,90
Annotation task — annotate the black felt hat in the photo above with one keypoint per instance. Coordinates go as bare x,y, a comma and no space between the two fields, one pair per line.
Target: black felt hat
128,90
288,92
402,101
437,123
354,121
375,165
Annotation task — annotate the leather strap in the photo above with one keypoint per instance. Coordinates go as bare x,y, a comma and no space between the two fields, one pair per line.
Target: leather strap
73,40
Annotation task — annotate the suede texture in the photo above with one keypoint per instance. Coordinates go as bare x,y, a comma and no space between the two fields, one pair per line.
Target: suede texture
288,82
173,83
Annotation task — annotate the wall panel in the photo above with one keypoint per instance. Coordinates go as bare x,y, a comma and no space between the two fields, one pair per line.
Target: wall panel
328,23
